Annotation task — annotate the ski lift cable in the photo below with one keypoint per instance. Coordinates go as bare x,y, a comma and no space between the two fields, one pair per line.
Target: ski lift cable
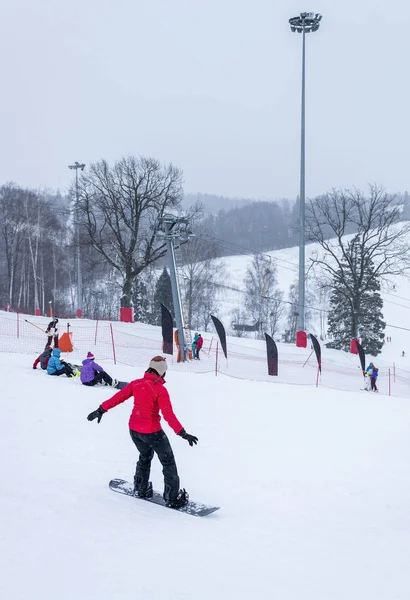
252,251
322,310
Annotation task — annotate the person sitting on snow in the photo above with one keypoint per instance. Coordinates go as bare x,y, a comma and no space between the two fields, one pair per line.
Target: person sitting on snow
43,358
91,373
56,366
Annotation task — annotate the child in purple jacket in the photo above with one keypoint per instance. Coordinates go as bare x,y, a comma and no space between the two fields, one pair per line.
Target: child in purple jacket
91,373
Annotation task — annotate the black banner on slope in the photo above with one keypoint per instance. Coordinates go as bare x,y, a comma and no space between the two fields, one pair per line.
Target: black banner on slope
167,331
362,356
272,355
318,351
220,330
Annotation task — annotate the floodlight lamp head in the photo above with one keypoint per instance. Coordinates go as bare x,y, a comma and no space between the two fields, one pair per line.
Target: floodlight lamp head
77,165
305,22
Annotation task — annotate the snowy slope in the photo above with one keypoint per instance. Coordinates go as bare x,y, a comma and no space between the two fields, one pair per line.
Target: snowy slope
136,343
313,488
396,298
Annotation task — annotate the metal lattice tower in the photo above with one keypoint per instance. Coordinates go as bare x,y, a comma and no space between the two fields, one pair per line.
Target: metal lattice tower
175,230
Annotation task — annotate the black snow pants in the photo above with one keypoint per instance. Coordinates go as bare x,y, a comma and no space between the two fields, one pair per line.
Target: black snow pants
373,384
66,370
50,339
147,444
99,378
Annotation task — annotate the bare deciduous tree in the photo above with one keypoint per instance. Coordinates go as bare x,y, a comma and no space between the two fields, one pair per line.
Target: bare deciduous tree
200,276
12,233
377,248
263,301
121,207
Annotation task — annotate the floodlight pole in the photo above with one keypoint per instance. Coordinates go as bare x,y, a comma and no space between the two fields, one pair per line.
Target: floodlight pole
305,23
77,166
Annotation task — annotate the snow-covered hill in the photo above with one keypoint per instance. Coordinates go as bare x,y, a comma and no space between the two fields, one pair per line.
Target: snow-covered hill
313,488
396,298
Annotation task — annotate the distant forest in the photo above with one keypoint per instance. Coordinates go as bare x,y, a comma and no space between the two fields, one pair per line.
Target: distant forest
243,226
38,242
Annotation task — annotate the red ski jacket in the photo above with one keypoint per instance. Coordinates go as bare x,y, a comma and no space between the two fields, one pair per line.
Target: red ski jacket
199,342
150,397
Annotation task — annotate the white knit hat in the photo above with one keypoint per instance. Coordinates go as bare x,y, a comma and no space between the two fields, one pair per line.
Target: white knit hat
159,364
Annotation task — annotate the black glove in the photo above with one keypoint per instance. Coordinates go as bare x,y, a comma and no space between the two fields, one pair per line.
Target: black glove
97,414
191,439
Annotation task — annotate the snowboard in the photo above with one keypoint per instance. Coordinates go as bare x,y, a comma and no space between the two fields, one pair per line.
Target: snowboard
195,509
120,385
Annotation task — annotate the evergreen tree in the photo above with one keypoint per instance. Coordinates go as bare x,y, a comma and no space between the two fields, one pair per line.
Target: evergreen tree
163,294
356,306
140,301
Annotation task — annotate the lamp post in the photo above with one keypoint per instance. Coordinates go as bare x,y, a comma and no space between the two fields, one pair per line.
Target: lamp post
77,166
304,23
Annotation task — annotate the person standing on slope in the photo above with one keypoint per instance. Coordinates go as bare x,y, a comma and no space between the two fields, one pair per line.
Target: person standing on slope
52,332
373,373
194,346
150,397
199,344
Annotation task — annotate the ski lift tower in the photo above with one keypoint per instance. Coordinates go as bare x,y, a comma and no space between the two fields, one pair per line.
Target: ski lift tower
175,230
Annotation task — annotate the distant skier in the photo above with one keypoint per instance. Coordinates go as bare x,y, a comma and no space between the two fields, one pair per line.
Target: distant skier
403,354
199,344
194,346
52,332
373,374
92,374
58,367
150,397
43,358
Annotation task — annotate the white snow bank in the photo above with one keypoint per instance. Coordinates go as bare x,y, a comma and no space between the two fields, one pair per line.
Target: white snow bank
313,487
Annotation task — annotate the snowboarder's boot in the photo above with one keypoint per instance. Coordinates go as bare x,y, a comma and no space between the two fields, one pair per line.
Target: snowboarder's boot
143,492
180,501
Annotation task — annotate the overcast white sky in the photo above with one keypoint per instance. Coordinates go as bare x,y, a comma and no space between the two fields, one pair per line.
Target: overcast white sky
210,85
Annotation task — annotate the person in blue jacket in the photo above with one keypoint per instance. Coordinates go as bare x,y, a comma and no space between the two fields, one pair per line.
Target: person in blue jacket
373,374
58,367
91,373
194,347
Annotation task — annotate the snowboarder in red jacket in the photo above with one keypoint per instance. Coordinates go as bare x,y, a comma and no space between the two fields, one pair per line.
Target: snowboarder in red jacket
150,397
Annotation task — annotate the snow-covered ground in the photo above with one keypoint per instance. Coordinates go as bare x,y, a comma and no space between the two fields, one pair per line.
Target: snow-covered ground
136,343
314,491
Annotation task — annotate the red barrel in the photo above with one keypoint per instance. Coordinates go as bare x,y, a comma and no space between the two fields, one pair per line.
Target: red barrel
301,339
127,314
